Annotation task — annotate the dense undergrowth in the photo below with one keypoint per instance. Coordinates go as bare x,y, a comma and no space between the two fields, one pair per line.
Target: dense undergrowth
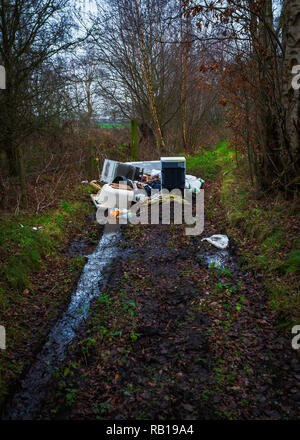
266,227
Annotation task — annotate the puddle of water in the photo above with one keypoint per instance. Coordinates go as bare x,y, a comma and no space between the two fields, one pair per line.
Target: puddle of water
221,260
26,402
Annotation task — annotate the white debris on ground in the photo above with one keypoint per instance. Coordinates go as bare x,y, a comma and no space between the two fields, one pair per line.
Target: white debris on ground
193,183
109,197
34,228
218,240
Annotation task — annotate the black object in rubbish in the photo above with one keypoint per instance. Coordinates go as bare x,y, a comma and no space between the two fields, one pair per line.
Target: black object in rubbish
156,184
129,171
138,173
123,180
173,174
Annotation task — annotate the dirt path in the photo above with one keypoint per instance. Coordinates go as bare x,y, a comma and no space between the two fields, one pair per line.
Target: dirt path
173,338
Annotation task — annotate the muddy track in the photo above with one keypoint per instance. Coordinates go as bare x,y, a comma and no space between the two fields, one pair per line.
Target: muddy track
172,354
198,343
197,354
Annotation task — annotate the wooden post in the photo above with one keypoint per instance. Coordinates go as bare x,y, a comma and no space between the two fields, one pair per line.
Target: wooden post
22,178
91,161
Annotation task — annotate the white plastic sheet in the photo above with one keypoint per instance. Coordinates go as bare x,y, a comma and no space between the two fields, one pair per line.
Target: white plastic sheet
218,240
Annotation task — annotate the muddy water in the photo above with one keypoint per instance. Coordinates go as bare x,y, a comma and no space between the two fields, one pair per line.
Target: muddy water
25,404
220,259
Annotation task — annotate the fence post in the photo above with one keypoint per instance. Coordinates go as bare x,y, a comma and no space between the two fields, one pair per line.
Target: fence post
91,161
22,177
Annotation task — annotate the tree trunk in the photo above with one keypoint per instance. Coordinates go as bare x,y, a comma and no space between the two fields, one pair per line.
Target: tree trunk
12,158
291,92
14,155
160,143
271,166
22,179
134,140
183,67
184,55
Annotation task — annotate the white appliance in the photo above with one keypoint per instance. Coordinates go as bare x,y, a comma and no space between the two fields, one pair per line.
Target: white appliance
112,169
109,170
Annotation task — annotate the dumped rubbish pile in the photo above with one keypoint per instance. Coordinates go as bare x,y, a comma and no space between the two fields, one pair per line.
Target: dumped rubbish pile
128,183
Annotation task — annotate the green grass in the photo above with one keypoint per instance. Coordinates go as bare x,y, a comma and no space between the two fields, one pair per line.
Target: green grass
25,250
262,226
209,163
27,241
116,125
292,263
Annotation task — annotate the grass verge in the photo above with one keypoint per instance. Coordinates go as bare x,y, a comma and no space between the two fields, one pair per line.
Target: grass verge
265,227
37,278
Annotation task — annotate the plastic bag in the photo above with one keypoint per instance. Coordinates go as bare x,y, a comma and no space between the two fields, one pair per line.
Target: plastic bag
193,183
218,240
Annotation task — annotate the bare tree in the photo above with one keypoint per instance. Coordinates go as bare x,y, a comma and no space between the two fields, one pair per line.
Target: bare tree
139,79
84,75
265,47
31,32
291,65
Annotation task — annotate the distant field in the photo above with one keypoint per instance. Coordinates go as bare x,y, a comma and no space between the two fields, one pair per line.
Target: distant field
114,125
